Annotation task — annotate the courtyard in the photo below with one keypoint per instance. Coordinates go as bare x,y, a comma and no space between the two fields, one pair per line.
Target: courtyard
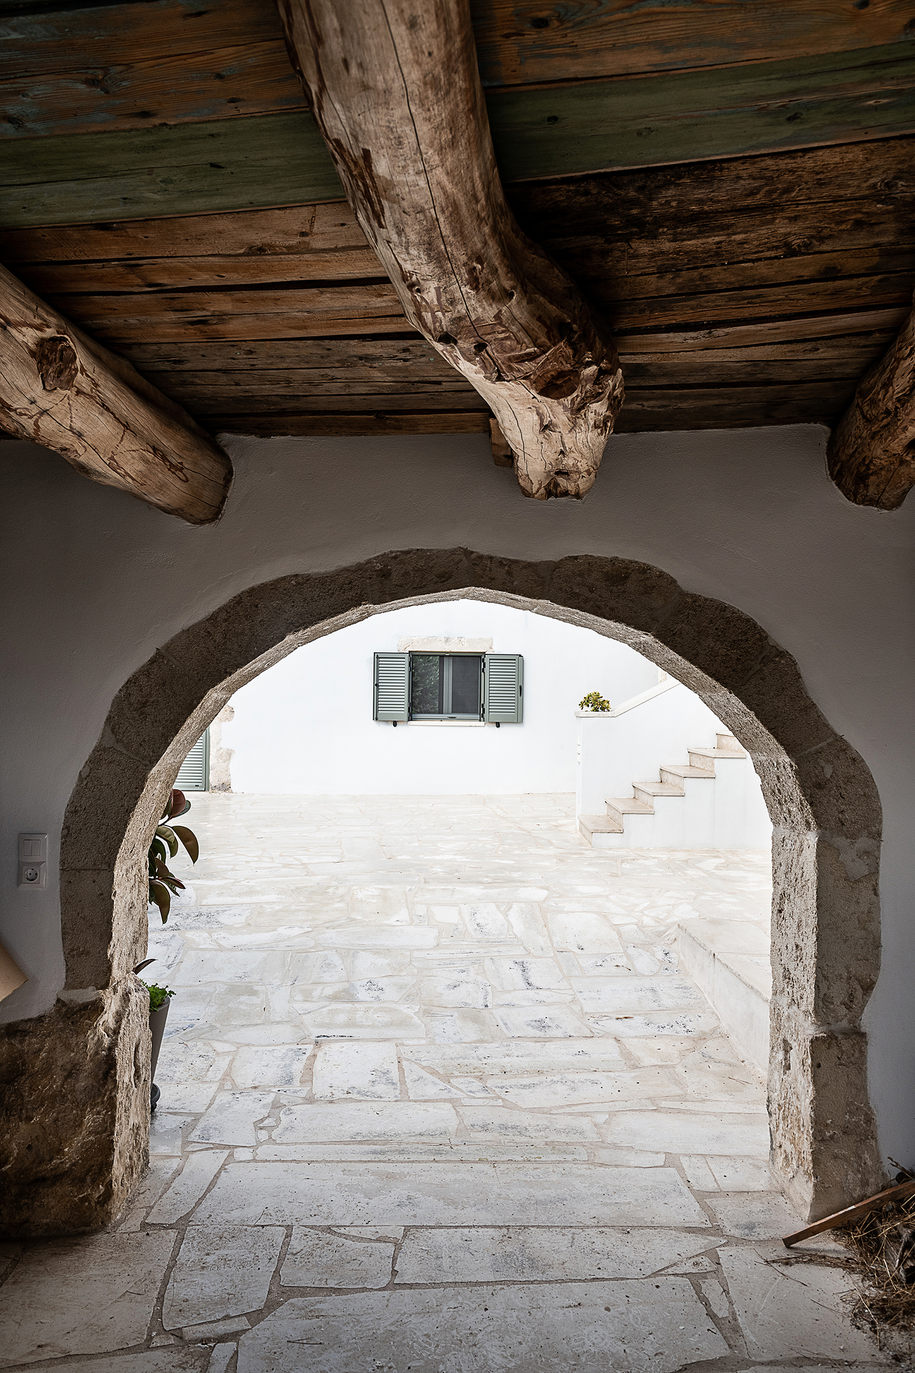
435,1096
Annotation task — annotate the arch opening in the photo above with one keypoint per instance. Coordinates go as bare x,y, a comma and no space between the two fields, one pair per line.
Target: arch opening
821,799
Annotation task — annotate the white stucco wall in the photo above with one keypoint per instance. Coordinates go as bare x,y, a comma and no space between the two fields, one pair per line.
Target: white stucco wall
305,726
93,581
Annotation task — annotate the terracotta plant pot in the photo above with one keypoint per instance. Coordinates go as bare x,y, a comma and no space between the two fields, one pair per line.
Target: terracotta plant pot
157,1021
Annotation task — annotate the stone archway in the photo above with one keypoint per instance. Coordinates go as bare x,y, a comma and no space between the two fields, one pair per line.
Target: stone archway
76,1153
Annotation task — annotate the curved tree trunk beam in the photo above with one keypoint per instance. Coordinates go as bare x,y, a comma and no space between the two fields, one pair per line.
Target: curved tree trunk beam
396,93
871,454
62,390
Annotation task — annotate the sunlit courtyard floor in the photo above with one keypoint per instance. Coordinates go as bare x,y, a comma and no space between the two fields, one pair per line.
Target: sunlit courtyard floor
436,1097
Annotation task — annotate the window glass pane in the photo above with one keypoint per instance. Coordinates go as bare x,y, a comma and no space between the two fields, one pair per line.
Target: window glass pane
465,686
426,684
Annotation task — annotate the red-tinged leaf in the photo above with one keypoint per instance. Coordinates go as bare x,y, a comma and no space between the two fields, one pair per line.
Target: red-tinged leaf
189,840
178,804
160,896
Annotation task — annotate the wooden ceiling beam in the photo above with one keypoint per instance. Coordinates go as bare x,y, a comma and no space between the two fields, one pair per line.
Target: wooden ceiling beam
871,453
396,93
61,390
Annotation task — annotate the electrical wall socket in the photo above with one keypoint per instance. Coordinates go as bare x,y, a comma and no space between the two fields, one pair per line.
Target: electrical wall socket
33,860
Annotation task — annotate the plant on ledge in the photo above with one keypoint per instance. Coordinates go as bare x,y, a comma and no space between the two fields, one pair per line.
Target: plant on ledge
159,1002
594,702
163,884
158,996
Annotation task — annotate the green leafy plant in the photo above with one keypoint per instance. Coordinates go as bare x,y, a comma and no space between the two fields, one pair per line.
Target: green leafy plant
158,996
166,841
594,701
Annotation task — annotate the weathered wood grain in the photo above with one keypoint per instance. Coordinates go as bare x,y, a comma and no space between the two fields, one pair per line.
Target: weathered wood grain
825,199
871,453
720,112
518,41
220,164
650,412
726,377
63,391
407,422
49,38
324,389
720,408
177,88
375,308
522,41
783,300
200,273
323,232
773,183
299,312
279,159
410,139
616,268
355,362
388,358
217,406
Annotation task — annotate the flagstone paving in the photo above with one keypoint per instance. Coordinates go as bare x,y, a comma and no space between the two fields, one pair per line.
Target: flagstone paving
436,1098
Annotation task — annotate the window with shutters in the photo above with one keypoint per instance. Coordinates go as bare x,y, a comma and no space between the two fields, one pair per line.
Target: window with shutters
449,686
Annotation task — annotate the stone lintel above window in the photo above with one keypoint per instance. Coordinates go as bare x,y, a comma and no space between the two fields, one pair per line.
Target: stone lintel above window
438,644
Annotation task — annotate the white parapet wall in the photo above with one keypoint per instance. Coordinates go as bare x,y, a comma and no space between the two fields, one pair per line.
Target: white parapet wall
655,729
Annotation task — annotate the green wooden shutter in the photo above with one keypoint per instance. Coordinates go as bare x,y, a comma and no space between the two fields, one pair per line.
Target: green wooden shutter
392,686
194,773
503,687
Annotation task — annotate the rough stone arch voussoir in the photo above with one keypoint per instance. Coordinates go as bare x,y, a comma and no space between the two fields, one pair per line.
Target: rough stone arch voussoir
820,793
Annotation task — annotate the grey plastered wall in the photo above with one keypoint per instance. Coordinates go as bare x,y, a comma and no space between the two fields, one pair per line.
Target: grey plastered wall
93,582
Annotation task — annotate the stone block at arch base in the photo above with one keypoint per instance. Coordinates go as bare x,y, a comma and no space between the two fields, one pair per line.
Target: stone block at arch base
75,1090
81,1071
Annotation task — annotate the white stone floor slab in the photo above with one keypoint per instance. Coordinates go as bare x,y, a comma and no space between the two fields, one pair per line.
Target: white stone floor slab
436,1098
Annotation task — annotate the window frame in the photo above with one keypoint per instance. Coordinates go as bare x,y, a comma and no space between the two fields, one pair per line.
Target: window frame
446,659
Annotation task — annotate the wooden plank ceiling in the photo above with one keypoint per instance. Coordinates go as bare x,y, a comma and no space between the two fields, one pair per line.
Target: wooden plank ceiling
731,184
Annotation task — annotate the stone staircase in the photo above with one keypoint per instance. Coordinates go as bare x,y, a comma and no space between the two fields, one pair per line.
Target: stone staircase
668,812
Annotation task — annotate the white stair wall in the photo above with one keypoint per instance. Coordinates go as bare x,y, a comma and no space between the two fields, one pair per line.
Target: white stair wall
711,800
729,962
627,743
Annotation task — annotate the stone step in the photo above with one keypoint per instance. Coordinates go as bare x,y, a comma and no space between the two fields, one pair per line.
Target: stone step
676,771
707,757
628,805
727,741
589,825
644,791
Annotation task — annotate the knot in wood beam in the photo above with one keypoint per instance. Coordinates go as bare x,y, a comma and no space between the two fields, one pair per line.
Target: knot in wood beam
61,389
57,363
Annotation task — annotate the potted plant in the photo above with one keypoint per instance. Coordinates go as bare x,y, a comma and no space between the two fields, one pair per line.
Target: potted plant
163,884
595,703
159,1001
